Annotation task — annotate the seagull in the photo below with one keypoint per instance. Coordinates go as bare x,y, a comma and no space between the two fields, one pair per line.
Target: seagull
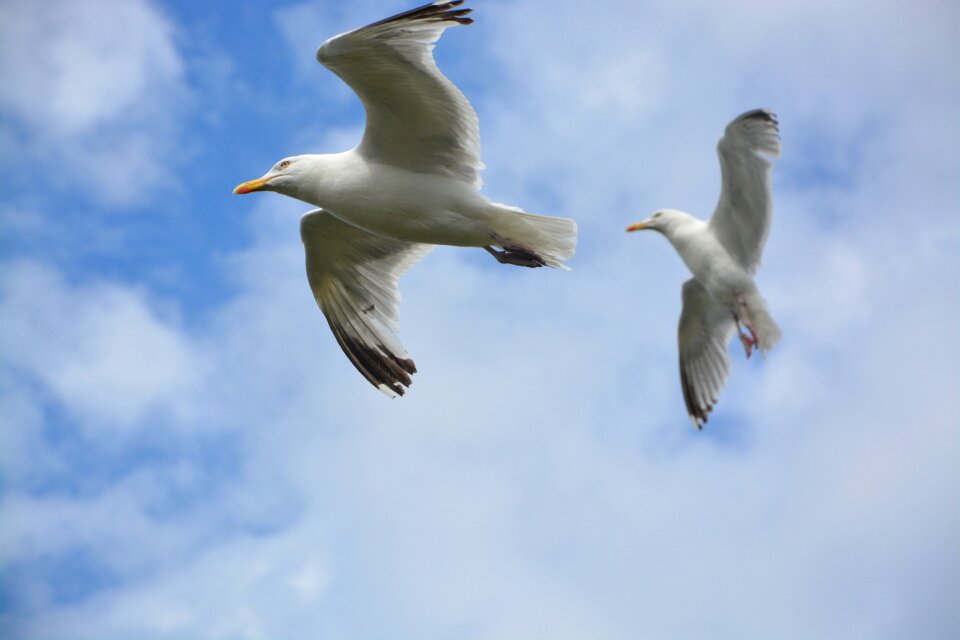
412,183
723,254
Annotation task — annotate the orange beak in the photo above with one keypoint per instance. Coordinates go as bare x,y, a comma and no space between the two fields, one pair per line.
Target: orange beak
637,226
253,185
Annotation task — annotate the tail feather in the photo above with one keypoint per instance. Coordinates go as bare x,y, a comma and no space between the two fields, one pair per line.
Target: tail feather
767,331
555,239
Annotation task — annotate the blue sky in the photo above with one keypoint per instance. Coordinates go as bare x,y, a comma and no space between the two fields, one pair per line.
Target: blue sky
186,453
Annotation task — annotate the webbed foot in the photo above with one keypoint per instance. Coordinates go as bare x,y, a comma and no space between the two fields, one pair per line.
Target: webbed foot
515,253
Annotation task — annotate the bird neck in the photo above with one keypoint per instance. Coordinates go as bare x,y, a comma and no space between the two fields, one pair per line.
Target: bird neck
684,234
682,228
325,177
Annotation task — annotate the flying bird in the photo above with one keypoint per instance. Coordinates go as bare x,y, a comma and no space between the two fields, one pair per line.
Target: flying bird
413,182
723,254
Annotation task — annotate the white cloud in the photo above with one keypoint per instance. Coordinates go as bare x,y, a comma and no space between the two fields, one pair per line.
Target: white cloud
100,350
306,25
540,477
97,88
76,70
211,594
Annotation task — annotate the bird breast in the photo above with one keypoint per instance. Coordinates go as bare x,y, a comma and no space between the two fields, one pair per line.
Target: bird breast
710,263
395,202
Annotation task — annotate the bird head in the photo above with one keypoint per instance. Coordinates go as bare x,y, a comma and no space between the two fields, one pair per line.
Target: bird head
282,178
661,220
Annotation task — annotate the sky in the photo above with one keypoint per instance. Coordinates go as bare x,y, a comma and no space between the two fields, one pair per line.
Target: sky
185,453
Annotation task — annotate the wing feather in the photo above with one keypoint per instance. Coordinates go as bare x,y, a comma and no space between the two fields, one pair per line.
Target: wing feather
416,118
742,218
704,332
353,275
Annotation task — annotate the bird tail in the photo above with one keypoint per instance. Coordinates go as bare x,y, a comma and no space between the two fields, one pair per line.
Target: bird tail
554,239
766,330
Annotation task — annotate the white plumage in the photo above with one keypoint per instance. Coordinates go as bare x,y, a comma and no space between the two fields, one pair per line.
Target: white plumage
723,254
416,118
411,183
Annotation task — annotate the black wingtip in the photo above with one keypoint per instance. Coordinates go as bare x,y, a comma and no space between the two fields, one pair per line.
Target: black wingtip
434,12
380,367
766,115
698,415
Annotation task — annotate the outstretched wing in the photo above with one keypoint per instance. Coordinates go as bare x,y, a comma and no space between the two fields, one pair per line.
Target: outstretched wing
416,118
704,333
353,275
742,219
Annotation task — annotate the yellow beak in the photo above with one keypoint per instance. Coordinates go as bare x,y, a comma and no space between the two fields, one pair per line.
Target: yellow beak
253,185
637,226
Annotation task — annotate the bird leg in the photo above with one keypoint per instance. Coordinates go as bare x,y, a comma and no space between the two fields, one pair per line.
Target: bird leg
515,253
748,341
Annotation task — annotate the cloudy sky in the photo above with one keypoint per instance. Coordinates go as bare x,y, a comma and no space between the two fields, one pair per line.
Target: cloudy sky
186,454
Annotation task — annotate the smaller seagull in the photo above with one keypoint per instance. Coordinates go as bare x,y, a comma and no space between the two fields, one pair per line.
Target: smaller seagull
723,254
413,182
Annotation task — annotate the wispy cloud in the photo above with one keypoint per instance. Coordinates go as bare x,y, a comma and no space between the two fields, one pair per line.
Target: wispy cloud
83,342
97,89
224,472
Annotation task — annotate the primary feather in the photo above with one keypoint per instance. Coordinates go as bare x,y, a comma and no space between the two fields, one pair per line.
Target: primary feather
741,220
416,117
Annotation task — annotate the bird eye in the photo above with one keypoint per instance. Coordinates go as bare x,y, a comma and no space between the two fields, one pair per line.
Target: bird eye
658,214
284,164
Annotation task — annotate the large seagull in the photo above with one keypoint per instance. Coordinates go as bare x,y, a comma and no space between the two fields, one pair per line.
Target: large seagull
413,182
723,254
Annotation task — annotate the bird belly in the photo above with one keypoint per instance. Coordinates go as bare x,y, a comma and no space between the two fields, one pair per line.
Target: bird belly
727,283
416,207
722,277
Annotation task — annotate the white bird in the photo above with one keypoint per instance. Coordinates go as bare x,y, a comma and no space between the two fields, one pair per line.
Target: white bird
413,182
723,254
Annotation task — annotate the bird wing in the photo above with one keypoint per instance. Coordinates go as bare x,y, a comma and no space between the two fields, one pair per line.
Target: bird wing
353,275
416,118
704,333
742,219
